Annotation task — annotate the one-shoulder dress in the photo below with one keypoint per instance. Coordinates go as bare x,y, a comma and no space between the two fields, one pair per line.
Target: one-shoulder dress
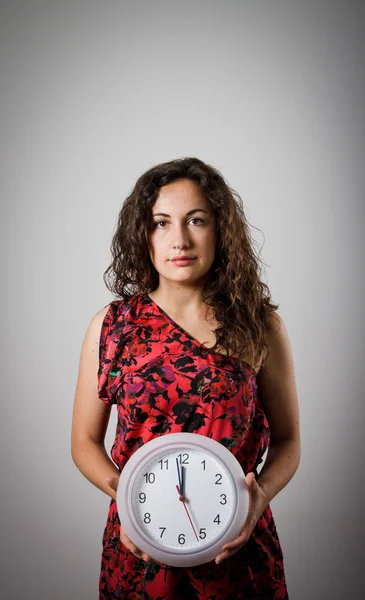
163,381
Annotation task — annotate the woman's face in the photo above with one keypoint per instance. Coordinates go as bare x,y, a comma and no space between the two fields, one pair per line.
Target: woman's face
183,224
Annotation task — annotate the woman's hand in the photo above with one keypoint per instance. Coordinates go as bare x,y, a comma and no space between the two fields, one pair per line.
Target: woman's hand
257,504
113,483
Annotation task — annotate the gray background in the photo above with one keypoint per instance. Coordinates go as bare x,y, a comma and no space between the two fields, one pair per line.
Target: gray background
93,93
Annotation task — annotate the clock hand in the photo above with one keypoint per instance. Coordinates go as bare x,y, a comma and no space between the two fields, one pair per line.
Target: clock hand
183,481
181,498
180,479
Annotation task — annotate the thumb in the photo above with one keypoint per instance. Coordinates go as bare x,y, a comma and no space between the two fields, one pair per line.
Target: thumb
250,479
112,482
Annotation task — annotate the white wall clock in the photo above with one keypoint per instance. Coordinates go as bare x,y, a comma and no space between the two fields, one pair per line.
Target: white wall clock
181,497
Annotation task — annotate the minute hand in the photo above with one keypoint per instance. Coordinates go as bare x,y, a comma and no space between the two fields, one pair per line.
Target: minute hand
179,475
187,512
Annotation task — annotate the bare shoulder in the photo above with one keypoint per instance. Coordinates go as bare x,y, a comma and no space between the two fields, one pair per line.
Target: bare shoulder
100,314
93,331
275,325
90,346
278,343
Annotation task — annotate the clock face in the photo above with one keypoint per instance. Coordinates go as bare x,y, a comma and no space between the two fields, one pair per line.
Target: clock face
181,497
209,492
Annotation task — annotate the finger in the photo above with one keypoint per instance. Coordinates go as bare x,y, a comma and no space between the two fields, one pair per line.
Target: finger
129,545
221,557
148,558
136,551
132,547
250,478
143,556
236,544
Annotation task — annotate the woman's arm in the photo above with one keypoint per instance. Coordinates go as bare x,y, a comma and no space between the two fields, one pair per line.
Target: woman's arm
91,415
277,390
94,463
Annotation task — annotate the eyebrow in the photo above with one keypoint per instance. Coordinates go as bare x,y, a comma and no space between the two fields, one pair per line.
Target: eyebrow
187,214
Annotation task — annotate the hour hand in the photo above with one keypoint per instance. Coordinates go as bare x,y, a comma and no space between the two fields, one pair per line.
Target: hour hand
183,481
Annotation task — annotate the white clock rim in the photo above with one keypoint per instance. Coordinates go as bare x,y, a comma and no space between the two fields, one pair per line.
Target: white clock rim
129,472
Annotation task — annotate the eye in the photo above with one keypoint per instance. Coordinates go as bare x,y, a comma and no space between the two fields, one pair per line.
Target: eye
197,219
193,219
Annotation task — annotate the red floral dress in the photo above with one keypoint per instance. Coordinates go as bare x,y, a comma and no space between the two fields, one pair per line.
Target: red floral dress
163,381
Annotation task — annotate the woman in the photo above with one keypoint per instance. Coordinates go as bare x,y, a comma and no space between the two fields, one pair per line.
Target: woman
191,346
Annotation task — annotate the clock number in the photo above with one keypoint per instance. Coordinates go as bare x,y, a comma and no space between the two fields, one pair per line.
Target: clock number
163,531
147,518
203,463
224,499
181,538
217,520
164,462
150,477
142,497
185,460
218,480
202,533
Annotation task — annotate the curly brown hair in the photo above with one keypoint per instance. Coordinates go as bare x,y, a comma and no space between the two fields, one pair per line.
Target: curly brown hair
239,299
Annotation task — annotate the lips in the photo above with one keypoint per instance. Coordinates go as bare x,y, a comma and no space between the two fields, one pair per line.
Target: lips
181,258
181,262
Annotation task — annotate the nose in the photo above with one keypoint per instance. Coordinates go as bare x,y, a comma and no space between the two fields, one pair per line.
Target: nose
181,237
